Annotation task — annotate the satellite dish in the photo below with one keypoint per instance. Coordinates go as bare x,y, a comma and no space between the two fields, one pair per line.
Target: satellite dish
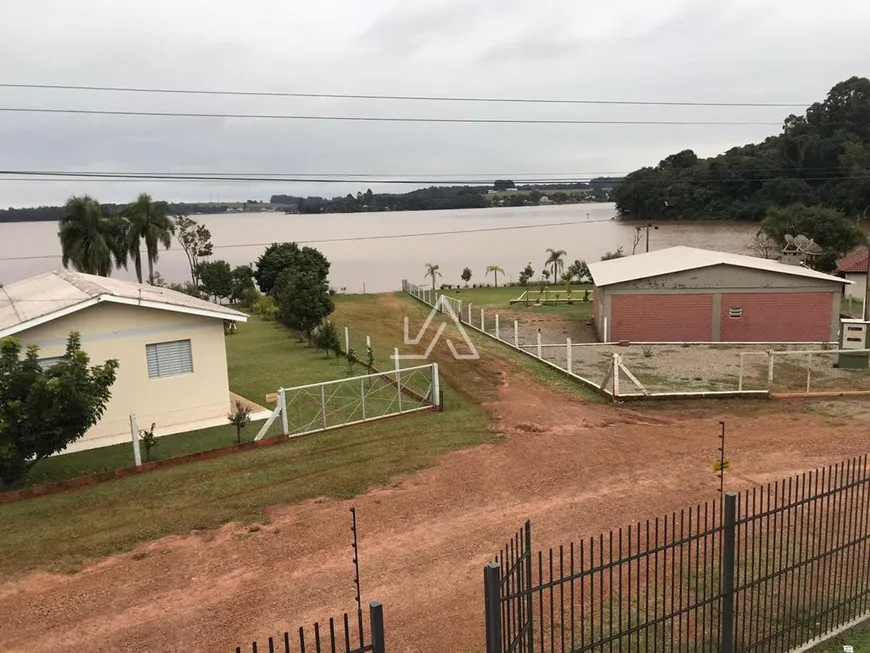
802,241
789,239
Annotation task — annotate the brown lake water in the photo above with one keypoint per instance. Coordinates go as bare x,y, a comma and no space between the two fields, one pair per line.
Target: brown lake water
377,250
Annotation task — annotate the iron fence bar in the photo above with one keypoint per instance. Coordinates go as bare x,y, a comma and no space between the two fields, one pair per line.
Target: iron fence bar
604,566
864,480
492,607
604,640
727,617
527,535
853,511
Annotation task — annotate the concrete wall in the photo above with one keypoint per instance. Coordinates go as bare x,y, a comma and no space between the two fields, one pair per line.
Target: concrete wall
121,332
725,277
856,290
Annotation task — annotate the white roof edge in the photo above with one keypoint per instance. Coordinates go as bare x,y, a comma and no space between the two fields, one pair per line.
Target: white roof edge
48,317
114,299
681,258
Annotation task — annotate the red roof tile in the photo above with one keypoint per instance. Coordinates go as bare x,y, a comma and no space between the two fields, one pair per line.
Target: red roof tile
854,262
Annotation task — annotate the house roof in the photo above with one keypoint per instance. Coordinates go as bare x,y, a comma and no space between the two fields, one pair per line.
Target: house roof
40,299
680,259
855,261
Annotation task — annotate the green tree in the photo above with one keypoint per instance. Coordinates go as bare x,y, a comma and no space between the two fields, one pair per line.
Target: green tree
195,240
326,338
432,271
303,300
91,241
555,262
495,272
239,417
216,279
282,256
42,411
526,274
147,221
580,270
466,276
244,288
608,256
829,228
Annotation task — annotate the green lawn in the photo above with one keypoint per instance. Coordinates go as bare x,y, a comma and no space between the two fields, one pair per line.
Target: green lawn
499,299
60,531
289,363
858,638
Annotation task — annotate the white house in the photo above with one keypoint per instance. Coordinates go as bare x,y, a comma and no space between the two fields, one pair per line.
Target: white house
170,347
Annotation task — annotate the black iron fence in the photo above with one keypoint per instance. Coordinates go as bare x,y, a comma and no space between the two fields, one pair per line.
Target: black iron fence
347,635
765,570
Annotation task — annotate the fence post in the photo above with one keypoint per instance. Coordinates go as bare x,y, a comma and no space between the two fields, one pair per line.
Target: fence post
740,378
134,431
568,353
497,332
516,335
809,365
605,330
285,426
436,387
376,616
492,606
615,376
539,343
769,369
398,377
323,404
469,312
362,396
482,321
728,547
368,343
346,340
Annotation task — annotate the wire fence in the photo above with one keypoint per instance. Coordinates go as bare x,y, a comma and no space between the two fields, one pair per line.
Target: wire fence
769,569
344,402
641,370
344,635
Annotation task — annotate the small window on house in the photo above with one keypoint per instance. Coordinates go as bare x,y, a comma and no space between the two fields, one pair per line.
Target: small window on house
735,313
46,363
169,359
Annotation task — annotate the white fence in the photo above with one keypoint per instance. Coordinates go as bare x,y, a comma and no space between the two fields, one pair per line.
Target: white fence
355,400
675,370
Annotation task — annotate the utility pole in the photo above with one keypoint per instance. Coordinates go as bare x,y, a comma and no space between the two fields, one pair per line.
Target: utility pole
649,225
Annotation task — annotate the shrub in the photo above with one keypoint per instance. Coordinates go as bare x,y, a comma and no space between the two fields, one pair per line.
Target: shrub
647,351
240,417
149,440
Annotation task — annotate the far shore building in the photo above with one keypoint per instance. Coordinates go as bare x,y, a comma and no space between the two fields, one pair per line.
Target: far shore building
170,347
853,267
683,294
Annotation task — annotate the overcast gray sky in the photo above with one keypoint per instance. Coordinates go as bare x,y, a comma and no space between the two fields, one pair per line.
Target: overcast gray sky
698,50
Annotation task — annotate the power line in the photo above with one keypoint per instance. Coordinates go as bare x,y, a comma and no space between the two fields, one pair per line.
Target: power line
360,238
413,98
45,175
472,121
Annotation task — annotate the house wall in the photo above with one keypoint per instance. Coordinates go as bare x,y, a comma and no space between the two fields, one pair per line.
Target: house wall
661,318
694,306
857,289
777,317
122,332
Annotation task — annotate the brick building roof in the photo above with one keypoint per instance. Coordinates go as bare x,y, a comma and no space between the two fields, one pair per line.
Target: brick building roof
854,262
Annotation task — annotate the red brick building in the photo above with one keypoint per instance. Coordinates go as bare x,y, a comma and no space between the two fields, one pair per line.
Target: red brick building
853,267
683,294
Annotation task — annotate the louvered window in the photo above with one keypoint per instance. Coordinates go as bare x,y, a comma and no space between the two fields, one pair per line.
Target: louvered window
169,359
46,363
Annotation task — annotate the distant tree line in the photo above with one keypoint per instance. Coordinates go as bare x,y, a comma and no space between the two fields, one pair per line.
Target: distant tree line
820,158
54,213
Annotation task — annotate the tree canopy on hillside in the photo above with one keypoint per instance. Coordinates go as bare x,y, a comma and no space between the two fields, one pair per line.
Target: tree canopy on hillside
820,158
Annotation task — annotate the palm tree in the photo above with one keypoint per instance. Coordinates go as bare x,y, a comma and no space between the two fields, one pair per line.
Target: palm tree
148,221
555,262
495,272
91,241
432,271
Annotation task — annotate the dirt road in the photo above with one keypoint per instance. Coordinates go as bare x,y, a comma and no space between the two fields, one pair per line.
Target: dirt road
574,469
